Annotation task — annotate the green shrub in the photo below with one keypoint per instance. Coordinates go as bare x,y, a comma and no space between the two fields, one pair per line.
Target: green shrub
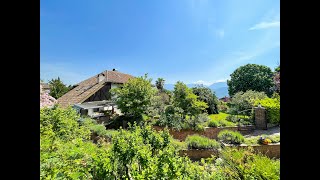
196,122
244,164
224,123
230,137
272,106
201,142
99,129
220,123
213,123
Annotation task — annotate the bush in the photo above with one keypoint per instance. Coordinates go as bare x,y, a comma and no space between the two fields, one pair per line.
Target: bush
213,123
201,142
244,164
223,106
195,123
220,123
171,118
243,102
230,137
272,106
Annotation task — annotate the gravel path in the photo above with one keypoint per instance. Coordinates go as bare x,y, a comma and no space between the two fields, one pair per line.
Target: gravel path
270,131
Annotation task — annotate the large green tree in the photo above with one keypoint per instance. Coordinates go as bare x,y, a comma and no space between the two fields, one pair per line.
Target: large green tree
205,94
135,96
185,99
251,77
57,88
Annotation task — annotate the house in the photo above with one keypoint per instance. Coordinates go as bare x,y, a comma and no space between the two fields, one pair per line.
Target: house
92,97
45,87
225,99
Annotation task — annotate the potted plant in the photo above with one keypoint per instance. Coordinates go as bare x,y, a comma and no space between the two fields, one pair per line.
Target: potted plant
264,141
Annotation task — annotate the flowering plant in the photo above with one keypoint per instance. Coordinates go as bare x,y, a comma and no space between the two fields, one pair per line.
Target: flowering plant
45,99
264,141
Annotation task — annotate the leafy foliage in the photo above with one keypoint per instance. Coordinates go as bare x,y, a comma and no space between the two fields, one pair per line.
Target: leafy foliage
135,96
223,106
244,164
57,88
206,95
185,99
201,142
272,106
230,137
195,123
243,102
160,84
171,117
251,77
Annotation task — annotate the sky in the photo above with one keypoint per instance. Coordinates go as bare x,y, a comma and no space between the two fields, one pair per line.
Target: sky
194,41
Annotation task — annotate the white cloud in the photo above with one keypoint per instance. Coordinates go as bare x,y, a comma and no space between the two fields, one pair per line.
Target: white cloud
203,82
221,80
265,25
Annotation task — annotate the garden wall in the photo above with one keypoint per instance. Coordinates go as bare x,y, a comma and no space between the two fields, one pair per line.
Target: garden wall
271,151
209,132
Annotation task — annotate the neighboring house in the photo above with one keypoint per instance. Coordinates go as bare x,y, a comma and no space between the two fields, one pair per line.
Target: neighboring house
45,87
225,99
92,96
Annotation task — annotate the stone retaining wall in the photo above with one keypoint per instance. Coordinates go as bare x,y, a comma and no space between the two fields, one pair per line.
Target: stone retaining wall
209,132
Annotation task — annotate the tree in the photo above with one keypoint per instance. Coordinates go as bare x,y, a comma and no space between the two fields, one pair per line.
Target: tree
251,77
206,95
185,99
160,84
135,96
57,88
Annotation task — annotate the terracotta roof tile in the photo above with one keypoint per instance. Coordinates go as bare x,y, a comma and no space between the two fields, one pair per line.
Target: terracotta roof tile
90,86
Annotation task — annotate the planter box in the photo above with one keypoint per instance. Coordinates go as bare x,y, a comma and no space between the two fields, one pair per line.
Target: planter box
270,150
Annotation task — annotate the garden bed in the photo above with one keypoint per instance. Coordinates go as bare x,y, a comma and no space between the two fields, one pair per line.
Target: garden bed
209,132
270,150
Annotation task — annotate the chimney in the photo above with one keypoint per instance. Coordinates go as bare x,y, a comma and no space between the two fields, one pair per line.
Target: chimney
101,77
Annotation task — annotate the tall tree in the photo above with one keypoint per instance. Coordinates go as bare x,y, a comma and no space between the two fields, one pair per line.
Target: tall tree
160,84
135,96
205,94
57,88
251,77
185,99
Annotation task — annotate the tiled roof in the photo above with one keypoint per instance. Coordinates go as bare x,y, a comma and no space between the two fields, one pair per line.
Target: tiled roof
88,87
45,85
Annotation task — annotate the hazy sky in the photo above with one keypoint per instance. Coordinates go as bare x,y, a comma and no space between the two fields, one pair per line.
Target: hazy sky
188,40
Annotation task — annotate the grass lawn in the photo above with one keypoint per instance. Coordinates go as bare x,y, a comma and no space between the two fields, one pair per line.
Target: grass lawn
219,120
220,116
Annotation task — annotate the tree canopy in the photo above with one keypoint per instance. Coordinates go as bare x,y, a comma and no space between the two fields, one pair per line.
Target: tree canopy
57,88
206,95
135,96
251,77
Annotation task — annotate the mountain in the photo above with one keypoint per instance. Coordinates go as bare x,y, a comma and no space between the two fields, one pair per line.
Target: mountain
220,88
218,85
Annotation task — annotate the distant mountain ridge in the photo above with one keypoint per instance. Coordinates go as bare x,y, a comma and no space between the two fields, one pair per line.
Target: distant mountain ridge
220,88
